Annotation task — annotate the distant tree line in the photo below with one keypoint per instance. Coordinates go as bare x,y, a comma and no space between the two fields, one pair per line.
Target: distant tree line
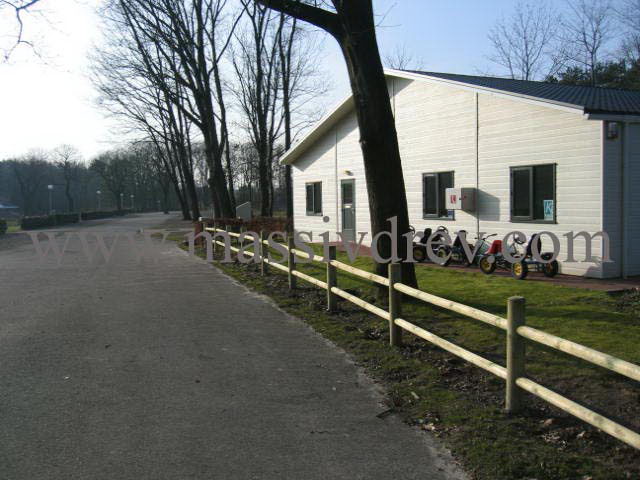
591,42
127,178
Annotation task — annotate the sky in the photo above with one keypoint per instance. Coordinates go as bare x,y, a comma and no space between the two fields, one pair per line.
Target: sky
47,98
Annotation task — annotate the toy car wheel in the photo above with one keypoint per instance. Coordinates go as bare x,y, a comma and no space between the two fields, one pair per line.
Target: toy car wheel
419,254
444,255
549,269
486,266
519,270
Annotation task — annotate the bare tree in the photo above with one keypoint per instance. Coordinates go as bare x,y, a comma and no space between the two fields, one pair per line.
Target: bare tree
400,58
586,32
256,63
115,170
67,159
628,14
525,43
189,38
351,23
17,8
30,173
301,81
164,86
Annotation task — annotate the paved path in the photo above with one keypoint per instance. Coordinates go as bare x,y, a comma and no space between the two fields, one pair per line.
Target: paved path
169,370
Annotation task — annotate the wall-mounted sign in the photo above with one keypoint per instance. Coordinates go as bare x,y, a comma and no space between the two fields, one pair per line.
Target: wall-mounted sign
548,210
460,199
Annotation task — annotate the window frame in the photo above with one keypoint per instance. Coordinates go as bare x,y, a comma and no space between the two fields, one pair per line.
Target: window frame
530,218
312,212
436,216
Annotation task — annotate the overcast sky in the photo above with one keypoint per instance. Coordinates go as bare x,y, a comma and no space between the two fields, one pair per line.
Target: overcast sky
48,101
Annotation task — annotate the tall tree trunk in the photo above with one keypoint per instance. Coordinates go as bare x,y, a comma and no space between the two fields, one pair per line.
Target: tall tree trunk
285,51
232,190
353,27
192,191
184,207
263,182
378,136
217,179
67,192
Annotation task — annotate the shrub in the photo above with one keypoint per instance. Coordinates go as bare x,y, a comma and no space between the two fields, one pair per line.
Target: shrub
3,226
64,218
97,215
30,223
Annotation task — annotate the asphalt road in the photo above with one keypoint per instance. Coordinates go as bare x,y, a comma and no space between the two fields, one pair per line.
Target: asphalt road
168,369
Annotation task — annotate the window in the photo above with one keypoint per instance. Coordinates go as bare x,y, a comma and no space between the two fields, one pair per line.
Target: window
533,193
314,198
434,189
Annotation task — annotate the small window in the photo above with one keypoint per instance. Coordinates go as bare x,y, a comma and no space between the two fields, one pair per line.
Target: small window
533,193
314,198
434,190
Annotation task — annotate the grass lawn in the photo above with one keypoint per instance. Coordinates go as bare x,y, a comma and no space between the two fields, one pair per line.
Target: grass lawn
463,404
13,226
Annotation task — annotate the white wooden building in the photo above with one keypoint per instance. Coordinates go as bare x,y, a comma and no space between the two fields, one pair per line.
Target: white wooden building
541,157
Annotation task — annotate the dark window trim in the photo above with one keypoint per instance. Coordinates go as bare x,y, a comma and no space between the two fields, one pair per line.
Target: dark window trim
313,213
427,216
530,219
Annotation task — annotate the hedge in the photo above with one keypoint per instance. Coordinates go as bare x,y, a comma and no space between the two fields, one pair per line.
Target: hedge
30,223
3,226
97,215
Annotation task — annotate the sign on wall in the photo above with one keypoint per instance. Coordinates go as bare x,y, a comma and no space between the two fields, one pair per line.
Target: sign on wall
548,210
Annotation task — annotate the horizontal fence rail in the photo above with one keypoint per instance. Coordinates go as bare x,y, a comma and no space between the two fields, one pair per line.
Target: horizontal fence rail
580,351
471,357
514,373
361,303
471,312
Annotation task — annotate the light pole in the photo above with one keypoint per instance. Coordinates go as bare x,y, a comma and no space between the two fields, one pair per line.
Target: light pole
121,201
98,193
50,188
132,197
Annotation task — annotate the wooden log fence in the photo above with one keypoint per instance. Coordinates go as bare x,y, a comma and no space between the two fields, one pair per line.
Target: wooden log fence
514,374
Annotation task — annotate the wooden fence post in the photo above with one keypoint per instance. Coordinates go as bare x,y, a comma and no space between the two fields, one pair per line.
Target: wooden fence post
395,304
332,281
291,262
213,236
515,354
263,254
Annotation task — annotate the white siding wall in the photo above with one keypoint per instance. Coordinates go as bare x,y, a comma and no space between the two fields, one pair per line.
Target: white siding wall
317,165
519,134
437,131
